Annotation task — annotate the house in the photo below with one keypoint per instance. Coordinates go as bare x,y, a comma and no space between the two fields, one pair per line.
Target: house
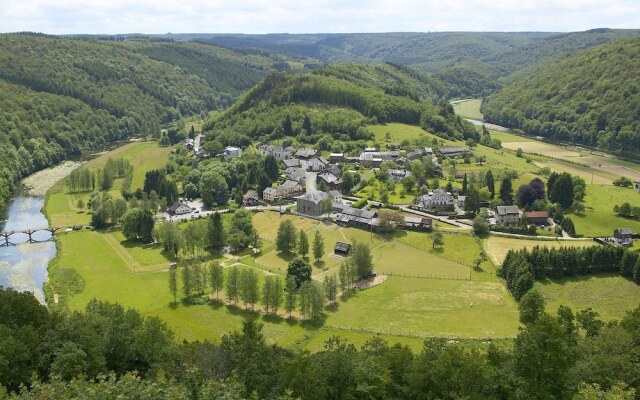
250,198
334,169
623,236
451,152
373,159
462,200
198,141
428,151
295,174
507,215
231,152
291,163
349,216
305,154
336,157
329,179
437,200
398,174
341,249
270,194
336,196
417,223
279,152
179,208
290,188
414,155
370,149
537,217
316,164
312,202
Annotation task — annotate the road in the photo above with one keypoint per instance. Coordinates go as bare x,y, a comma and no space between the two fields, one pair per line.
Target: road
310,178
436,217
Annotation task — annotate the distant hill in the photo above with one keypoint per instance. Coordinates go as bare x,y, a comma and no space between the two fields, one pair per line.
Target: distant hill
337,101
592,97
63,96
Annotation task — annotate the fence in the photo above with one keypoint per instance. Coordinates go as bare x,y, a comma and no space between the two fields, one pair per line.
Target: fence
430,276
417,335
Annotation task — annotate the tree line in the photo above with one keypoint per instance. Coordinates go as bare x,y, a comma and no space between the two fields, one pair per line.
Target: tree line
92,355
521,268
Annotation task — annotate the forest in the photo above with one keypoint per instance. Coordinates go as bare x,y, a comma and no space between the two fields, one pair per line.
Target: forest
107,351
591,98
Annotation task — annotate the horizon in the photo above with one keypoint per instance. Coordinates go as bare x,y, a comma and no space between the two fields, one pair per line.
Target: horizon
259,17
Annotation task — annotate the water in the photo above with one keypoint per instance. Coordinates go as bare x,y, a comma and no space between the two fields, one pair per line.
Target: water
475,121
23,267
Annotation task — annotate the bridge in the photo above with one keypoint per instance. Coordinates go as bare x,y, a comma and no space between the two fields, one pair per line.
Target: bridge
32,235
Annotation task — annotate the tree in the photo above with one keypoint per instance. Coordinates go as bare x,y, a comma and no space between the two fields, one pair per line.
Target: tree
481,225
276,293
318,246
437,238
106,180
490,183
390,220
306,124
249,291
531,306
286,237
562,191
170,236
173,283
361,259
331,286
216,234
187,280
506,191
233,285
408,182
464,184
542,358
589,322
303,244
287,126
270,167
300,270
137,224
213,189
290,299
472,201
216,277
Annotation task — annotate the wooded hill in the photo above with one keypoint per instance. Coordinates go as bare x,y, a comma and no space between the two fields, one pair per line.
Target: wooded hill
60,97
592,98
337,100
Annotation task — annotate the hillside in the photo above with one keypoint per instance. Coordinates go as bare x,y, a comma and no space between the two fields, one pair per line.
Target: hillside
592,98
63,96
337,100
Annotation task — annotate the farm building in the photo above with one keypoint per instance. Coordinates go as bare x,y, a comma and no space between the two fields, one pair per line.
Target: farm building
451,152
290,188
311,203
537,217
507,215
417,223
414,155
334,169
398,174
250,198
349,216
232,152
279,152
179,208
336,157
306,154
623,236
291,163
316,164
329,179
295,174
341,249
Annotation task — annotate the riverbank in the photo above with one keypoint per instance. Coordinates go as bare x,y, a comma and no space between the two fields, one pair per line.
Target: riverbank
39,183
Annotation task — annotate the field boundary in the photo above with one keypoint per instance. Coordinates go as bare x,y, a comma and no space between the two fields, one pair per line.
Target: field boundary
430,276
416,335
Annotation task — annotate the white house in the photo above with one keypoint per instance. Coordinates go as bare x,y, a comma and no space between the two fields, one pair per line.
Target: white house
231,151
279,152
436,200
507,215
179,208
269,194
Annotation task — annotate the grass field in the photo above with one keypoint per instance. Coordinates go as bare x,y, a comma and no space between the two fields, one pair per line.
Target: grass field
611,296
400,132
431,307
599,218
372,191
469,108
498,246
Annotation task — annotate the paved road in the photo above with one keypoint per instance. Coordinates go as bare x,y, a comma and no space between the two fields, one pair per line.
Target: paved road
436,217
310,178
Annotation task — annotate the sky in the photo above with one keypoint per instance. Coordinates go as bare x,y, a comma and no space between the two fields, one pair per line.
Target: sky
313,16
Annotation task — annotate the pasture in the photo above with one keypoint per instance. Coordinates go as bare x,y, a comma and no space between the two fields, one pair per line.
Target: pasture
469,108
599,219
498,246
611,296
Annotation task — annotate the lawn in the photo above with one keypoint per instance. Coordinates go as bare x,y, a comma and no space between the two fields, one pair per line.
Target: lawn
139,257
372,191
447,308
400,132
61,209
599,218
498,246
611,296
469,108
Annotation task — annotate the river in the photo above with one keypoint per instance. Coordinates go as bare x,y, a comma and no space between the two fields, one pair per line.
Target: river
23,267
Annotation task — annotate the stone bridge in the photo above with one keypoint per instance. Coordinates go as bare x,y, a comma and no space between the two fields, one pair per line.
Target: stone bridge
32,235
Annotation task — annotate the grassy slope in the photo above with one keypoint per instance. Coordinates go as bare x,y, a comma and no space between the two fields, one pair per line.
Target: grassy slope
599,218
468,108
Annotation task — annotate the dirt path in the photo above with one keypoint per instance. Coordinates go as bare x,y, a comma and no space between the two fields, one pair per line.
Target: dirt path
126,257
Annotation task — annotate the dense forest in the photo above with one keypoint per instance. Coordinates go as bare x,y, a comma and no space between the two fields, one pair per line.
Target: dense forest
336,102
108,352
592,98
62,97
